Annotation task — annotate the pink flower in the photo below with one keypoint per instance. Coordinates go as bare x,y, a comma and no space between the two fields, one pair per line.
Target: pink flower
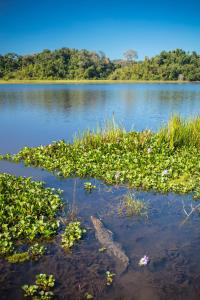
144,261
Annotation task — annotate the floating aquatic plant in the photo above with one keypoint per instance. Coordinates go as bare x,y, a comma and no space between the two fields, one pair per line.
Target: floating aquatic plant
109,277
34,252
27,211
164,161
45,281
18,257
73,233
103,249
42,289
89,186
88,296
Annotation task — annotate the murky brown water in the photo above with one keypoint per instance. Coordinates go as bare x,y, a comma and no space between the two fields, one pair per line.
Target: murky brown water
171,242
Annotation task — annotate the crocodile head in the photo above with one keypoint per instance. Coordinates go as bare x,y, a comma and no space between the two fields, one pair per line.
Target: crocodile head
96,222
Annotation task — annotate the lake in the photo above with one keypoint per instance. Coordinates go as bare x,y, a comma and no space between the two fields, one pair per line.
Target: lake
39,114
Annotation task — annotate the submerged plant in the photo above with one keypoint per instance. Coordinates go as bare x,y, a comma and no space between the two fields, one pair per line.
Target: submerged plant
129,206
73,233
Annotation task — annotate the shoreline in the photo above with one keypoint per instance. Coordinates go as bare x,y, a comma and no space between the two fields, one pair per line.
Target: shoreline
106,81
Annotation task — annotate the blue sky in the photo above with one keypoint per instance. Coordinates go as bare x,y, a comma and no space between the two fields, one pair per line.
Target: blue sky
29,26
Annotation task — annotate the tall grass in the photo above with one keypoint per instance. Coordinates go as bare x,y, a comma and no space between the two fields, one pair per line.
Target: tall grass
177,133
180,132
110,133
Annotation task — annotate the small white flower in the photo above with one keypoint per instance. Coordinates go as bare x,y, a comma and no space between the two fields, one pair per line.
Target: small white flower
117,175
149,150
165,172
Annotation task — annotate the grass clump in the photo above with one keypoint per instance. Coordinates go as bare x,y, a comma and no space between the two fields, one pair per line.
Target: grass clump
180,132
130,206
167,161
27,211
42,289
73,233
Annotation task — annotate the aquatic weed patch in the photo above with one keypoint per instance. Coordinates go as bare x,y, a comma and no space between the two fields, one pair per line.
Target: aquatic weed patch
42,289
73,233
27,211
109,278
88,186
164,161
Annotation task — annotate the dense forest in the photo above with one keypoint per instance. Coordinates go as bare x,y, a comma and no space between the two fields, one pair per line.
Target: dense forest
71,64
172,65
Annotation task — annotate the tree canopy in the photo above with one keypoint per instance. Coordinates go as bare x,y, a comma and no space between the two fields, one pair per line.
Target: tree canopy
172,65
66,63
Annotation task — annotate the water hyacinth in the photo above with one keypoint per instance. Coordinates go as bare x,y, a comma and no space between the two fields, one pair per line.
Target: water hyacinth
73,233
174,159
41,289
27,211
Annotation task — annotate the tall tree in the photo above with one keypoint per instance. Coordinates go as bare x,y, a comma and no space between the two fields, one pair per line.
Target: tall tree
130,55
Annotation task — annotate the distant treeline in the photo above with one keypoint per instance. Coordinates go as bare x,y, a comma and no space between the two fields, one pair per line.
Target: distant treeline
72,64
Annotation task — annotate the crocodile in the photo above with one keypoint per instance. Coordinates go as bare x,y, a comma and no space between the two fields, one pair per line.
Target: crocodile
105,238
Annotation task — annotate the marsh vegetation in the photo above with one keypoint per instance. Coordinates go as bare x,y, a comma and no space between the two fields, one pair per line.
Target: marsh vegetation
27,212
42,289
166,161
130,206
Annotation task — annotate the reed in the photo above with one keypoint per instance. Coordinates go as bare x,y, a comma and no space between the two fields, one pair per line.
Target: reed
180,132
110,133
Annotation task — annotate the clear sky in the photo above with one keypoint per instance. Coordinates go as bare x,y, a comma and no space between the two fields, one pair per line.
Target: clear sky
28,26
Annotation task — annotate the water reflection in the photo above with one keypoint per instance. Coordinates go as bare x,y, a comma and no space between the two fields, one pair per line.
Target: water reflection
38,114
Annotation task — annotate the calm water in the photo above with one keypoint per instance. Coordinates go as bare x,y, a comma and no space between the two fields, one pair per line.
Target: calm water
38,114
